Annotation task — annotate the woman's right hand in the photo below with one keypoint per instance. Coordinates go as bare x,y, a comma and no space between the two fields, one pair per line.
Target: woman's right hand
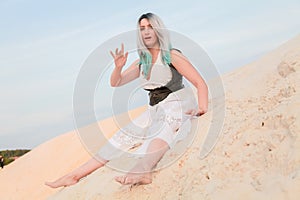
119,57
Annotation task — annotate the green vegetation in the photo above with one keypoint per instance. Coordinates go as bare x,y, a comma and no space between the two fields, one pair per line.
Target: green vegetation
10,155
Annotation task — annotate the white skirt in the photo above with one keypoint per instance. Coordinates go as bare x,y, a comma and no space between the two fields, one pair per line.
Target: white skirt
166,120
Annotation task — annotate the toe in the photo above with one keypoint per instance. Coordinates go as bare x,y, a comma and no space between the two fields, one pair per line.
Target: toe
128,180
120,179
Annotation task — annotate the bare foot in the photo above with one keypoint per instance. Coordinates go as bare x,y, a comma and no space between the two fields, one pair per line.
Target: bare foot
63,181
135,179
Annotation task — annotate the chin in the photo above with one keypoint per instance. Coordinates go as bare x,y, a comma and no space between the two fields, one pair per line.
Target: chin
150,45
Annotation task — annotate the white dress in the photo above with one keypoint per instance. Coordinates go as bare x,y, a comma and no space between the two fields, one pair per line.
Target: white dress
166,120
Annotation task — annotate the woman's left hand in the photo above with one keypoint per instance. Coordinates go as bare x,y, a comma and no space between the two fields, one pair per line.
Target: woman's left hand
196,112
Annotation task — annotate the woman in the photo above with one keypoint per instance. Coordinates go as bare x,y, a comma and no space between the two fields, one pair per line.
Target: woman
160,69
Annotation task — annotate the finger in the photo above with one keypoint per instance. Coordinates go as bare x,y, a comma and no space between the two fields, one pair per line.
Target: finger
112,54
188,112
116,51
122,48
194,112
126,55
200,113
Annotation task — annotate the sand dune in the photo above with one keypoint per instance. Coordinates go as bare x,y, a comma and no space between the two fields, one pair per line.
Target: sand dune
257,155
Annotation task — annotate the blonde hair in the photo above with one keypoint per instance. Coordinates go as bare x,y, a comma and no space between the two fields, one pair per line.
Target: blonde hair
163,38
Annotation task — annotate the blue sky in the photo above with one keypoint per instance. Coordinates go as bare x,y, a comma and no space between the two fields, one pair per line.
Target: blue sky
43,45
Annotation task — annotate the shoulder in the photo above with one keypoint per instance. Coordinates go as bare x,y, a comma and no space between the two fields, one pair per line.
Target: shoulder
181,63
177,57
136,63
175,50
176,53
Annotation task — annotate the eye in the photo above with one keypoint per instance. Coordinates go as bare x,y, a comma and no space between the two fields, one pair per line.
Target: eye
142,28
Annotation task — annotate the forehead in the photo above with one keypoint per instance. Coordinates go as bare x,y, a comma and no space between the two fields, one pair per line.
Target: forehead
144,22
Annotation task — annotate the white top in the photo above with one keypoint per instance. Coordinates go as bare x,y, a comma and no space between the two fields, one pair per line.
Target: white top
160,75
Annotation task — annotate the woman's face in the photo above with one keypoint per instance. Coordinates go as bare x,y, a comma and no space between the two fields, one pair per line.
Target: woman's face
149,36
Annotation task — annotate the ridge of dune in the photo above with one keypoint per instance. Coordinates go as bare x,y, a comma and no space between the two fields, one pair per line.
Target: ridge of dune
256,157
241,82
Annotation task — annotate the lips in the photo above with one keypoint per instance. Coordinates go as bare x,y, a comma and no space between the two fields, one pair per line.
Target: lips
147,38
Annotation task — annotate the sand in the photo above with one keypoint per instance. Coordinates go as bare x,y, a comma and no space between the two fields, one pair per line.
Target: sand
257,155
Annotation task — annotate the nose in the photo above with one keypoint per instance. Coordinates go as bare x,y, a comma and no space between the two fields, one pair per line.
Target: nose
147,30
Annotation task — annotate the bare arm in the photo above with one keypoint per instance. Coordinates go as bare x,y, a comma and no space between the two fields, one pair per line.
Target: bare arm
118,77
186,69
